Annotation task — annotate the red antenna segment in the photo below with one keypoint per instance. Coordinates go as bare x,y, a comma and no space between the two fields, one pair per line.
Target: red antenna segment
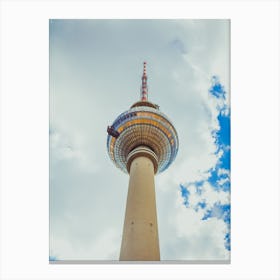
144,88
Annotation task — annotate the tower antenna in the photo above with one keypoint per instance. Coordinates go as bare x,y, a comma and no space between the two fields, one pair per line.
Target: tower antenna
144,87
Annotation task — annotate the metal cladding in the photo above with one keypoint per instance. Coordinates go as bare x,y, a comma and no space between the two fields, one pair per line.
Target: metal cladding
143,126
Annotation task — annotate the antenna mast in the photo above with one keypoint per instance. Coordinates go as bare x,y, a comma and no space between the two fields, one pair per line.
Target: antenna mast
144,87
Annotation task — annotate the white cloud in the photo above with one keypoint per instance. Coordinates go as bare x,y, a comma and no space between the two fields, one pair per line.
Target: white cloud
187,237
206,238
92,250
222,171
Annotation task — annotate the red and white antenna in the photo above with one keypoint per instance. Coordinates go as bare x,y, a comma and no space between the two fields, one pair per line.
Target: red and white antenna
144,88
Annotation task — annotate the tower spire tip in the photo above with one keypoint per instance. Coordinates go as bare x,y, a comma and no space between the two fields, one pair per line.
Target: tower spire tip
144,87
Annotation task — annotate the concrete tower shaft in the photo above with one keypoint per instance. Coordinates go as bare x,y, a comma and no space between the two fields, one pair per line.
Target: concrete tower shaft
140,240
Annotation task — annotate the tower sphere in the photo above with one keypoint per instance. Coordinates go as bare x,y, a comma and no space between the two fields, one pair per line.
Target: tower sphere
142,125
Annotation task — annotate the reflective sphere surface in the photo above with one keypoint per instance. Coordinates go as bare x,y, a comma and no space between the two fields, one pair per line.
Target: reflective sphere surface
145,126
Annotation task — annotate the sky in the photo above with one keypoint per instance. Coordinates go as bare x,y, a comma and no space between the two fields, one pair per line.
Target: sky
95,75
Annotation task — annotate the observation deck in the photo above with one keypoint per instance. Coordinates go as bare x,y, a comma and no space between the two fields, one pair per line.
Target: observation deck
143,125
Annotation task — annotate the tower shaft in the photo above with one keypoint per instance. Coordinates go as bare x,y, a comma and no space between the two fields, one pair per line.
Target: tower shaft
140,240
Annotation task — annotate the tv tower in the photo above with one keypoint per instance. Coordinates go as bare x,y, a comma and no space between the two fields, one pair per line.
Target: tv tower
142,142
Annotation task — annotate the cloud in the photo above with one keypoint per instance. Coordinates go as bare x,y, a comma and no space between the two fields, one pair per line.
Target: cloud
220,211
196,239
210,196
178,45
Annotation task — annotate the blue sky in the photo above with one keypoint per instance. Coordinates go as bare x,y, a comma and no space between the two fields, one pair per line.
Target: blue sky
219,175
95,74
